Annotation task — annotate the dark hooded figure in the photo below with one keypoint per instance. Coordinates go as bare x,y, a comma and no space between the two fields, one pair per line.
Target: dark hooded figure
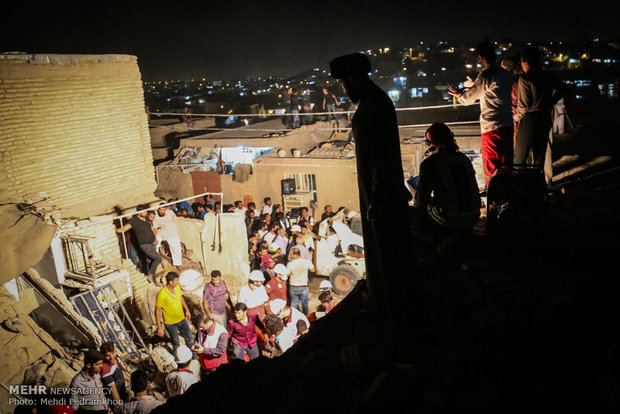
383,194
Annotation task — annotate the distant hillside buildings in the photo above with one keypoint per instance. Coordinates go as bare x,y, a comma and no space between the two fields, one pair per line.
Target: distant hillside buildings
413,76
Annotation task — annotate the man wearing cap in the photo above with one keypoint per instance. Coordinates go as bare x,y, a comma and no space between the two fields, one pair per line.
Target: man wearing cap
295,231
325,286
295,322
179,380
276,253
298,268
268,262
254,294
383,196
276,287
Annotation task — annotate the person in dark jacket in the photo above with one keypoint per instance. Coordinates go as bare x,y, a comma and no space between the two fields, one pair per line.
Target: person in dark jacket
539,91
382,192
446,198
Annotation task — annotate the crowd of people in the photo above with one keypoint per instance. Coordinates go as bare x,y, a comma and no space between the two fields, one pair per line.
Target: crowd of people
281,250
270,314
517,99
302,106
272,311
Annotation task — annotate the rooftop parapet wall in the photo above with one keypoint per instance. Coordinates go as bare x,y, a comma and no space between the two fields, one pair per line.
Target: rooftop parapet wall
73,128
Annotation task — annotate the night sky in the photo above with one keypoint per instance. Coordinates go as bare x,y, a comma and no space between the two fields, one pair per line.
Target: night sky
228,39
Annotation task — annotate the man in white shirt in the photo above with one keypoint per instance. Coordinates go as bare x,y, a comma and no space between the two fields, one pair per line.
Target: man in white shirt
165,223
298,268
267,206
493,88
271,234
295,323
254,294
239,208
179,380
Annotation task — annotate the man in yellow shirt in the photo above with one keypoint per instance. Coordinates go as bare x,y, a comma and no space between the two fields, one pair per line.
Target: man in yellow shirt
171,305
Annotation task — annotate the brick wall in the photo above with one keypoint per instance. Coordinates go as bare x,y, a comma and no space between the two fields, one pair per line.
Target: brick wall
74,128
235,190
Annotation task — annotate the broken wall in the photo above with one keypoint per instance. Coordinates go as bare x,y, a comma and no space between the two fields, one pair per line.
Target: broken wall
174,184
73,128
35,357
203,238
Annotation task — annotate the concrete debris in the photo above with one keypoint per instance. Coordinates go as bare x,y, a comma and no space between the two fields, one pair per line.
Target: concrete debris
13,325
34,356
22,225
163,359
34,373
59,301
59,374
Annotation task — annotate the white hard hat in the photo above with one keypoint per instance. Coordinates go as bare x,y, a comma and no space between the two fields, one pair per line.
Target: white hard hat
296,228
183,354
325,284
277,305
257,276
281,269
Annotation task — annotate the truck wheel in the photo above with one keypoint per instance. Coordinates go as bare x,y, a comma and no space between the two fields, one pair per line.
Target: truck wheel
343,278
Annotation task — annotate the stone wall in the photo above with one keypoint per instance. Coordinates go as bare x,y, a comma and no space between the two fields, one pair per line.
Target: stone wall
73,128
202,237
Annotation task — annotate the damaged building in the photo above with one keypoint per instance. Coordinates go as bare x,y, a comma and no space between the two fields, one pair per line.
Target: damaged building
311,166
76,154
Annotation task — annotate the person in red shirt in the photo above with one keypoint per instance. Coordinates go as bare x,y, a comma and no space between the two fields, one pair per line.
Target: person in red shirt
242,332
276,287
112,372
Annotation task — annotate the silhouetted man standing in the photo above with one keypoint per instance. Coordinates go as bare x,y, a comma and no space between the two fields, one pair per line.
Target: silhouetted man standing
493,88
539,91
383,195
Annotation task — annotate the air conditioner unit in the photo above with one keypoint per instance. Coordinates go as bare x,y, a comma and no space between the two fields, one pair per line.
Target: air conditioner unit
297,200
